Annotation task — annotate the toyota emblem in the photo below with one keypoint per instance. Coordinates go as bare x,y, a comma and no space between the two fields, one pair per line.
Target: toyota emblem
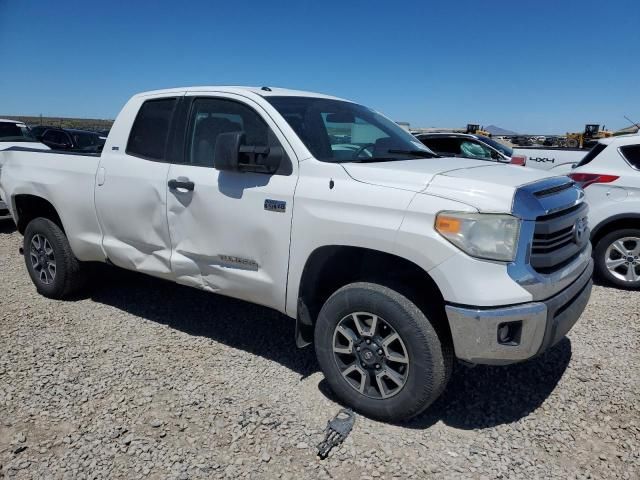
579,230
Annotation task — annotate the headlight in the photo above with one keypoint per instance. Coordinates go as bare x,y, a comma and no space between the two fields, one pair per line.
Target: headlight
481,235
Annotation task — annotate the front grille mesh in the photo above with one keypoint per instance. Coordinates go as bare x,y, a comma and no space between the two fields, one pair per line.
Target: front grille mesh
555,243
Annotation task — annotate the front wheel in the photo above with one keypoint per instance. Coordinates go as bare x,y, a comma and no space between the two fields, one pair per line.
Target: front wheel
379,352
617,258
53,268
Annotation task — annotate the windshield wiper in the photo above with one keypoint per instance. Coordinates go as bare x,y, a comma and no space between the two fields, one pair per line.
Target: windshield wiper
371,160
417,153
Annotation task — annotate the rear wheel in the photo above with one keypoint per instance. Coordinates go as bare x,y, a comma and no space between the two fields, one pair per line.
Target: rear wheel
53,268
617,258
379,352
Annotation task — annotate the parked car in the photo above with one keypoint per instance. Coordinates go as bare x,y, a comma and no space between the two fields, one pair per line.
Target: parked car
470,146
391,260
71,139
610,176
15,134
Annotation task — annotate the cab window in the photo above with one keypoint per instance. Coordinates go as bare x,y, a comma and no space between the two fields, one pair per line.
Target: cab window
150,130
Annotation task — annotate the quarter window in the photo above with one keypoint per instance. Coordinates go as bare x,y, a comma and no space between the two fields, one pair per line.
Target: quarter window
150,131
632,154
211,117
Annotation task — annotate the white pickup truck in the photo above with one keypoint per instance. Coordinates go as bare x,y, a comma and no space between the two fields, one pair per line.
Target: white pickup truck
393,261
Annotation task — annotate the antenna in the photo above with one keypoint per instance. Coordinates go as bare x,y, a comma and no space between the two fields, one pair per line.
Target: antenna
631,121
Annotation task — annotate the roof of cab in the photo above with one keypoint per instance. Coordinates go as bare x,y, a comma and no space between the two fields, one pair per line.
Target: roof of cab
261,91
6,120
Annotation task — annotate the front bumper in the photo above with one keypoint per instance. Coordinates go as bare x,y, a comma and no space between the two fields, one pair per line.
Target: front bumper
535,326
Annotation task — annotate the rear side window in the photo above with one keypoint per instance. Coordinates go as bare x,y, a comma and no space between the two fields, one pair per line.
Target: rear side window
593,153
631,154
150,131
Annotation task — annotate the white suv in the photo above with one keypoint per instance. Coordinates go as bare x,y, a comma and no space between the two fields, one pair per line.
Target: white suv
610,175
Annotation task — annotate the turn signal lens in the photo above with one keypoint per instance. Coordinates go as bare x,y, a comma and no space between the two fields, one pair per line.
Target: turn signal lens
446,224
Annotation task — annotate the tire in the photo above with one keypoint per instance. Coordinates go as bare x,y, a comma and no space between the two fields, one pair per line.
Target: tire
611,250
67,275
429,360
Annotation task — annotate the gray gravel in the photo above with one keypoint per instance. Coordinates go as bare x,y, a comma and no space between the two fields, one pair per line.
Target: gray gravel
141,378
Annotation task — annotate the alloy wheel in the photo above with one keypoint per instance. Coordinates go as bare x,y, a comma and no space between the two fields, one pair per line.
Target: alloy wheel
622,259
370,354
43,259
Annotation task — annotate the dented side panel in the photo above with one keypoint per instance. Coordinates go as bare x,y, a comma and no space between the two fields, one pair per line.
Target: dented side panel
131,208
131,201
225,240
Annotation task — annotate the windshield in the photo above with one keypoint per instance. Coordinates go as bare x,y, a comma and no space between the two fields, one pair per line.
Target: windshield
15,132
339,131
497,145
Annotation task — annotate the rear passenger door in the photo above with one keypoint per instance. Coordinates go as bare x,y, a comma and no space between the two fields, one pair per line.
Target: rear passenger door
225,236
131,188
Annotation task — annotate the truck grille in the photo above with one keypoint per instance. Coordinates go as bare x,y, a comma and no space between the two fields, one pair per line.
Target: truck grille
559,238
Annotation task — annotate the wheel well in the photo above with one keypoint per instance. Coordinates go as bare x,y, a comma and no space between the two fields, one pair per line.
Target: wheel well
332,267
28,207
617,222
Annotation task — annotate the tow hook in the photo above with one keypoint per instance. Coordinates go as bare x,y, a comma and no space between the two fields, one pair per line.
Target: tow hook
21,251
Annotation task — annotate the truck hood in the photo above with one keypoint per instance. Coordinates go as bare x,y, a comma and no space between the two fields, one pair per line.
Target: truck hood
486,186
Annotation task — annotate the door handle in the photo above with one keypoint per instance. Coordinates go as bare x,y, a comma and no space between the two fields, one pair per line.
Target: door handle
181,182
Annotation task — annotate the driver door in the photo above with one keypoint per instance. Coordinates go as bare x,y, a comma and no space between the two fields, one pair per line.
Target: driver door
225,237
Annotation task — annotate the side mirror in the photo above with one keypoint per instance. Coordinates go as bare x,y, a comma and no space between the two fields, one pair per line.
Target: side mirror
227,151
232,154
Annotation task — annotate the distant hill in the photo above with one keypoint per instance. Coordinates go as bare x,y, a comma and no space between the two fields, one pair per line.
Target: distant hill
80,123
499,131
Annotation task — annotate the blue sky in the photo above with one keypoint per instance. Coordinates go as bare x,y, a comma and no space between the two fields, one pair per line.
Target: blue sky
537,67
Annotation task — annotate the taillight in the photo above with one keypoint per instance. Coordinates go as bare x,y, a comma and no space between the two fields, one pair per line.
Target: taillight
518,160
586,179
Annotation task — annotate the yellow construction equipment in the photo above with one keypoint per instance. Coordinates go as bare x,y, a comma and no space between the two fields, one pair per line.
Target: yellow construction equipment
475,129
591,132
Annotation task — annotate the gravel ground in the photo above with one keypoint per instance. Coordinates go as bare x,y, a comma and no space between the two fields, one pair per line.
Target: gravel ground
140,378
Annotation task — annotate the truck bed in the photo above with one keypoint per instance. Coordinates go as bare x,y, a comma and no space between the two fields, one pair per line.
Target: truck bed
67,180
547,158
